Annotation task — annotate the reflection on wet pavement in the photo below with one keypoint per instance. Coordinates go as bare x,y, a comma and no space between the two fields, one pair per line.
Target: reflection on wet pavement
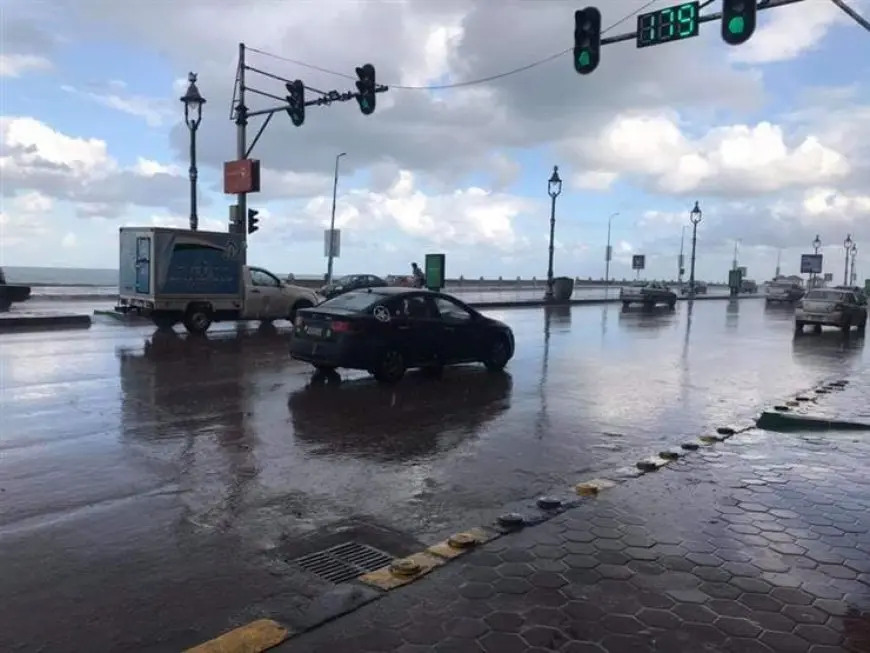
158,452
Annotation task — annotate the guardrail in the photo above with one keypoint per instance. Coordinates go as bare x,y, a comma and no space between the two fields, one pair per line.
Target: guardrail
508,283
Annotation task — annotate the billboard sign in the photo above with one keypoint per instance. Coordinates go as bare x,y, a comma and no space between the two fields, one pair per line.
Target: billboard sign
638,262
811,263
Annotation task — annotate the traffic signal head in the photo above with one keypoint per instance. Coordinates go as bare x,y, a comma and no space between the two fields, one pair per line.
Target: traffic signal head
587,39
252,220
365,87
738,20
296,102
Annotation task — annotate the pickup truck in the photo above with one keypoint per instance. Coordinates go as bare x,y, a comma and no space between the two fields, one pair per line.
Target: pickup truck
10,294
198,278
648,294
783,291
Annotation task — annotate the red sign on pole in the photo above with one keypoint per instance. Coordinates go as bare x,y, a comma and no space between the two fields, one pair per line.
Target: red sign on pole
242,176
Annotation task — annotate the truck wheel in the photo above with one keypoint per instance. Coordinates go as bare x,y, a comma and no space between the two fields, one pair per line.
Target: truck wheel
198,318
165,320
798,328
862,325
624,306
302,303
672,304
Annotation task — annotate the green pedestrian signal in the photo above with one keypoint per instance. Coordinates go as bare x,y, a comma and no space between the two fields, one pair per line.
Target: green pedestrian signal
587,39
738,20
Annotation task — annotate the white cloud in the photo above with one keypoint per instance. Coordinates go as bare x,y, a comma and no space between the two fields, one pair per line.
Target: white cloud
470,217
18,65
787,32
155,112
23,220
81,170
736,159
69,241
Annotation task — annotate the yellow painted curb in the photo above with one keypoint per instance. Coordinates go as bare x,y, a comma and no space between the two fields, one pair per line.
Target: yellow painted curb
589,488
387,578
460,543
652,461
257,636
710,439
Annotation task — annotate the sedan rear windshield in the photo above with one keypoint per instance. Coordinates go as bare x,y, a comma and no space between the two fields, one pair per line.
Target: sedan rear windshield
826,295
357,301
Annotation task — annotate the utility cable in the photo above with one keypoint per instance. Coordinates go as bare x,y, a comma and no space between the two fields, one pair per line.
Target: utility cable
854,15
465,84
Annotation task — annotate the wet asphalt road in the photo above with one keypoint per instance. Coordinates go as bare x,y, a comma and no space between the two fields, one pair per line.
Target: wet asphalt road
149,484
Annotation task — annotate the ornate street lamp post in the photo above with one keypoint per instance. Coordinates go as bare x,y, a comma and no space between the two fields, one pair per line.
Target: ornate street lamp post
695,218
847,245
554,189
193,102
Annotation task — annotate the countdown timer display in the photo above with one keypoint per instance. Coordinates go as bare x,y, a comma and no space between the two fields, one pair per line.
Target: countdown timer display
670,24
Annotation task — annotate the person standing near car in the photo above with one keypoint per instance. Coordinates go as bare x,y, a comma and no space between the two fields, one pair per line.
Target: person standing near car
419,276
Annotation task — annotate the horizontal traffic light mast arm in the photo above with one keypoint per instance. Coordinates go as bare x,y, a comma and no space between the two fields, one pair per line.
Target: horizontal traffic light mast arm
709,18
328,98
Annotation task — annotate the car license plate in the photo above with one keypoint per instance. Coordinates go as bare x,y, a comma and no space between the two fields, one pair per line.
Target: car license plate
314,331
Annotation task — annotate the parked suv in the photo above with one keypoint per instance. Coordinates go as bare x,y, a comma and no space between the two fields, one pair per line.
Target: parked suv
842,308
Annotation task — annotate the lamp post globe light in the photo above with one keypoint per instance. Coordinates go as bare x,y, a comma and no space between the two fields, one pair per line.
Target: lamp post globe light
695,218
192,101
554,189
847,245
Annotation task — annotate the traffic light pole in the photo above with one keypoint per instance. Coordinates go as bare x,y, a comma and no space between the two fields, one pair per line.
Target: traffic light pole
242,116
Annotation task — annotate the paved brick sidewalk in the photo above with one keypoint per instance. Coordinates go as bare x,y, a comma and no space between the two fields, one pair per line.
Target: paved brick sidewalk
758,544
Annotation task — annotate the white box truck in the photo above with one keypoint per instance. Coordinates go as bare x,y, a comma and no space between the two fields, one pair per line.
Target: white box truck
197,278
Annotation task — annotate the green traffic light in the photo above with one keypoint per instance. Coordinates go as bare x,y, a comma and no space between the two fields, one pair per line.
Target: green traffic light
583,59
736,25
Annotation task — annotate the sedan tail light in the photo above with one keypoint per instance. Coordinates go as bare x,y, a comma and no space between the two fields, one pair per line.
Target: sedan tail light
342,327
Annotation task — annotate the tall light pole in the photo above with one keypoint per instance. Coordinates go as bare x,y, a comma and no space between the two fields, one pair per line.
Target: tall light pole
817,245
554,189
193,102
608,253
681,261
778,261
847,245
854,252
695,218
331,256
736,251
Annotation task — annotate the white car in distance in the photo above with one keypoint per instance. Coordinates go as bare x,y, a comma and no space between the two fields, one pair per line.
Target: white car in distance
821,307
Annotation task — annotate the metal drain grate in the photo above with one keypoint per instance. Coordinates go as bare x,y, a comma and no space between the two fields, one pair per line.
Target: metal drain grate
344,562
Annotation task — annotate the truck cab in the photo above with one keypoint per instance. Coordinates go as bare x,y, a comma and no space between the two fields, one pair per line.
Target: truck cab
199,277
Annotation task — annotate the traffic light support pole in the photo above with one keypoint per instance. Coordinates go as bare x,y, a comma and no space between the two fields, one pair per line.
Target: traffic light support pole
242,116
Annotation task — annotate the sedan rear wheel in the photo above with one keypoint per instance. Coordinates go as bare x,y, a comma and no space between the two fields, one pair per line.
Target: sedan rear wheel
390,368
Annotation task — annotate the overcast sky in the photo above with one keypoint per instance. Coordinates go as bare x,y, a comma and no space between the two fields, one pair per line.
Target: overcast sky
771,137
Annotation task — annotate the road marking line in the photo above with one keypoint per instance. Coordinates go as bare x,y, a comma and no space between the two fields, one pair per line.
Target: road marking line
255,637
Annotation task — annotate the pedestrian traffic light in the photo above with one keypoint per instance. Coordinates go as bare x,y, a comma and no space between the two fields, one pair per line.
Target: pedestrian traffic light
296,102
365,87
738,20
252,220
587,39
